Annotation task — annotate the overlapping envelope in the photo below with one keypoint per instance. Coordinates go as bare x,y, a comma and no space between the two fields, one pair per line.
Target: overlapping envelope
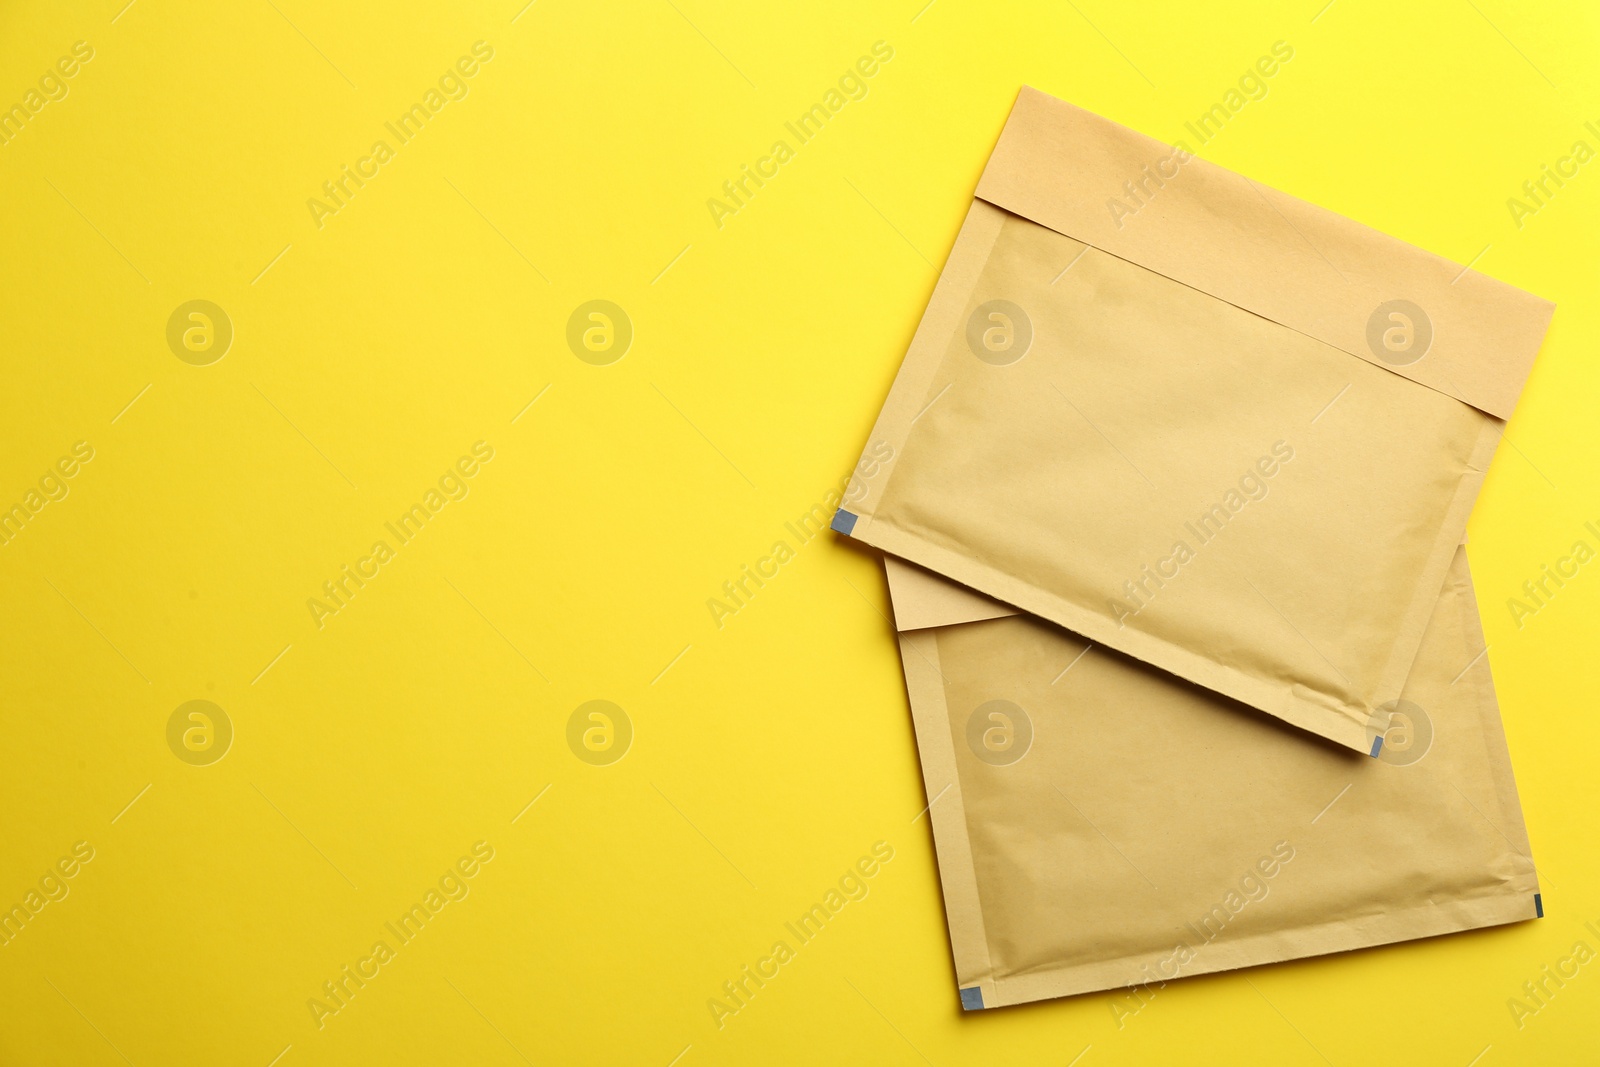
1100,824
1219,447
1232,435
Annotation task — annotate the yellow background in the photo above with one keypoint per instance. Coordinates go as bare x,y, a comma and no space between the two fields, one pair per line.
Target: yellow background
769,753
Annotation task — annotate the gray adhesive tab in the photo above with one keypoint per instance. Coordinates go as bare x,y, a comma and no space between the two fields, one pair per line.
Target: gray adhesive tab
844,521
971,997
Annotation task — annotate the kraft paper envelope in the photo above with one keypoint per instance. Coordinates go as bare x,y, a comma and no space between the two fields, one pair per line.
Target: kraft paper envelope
1100,824
1224,431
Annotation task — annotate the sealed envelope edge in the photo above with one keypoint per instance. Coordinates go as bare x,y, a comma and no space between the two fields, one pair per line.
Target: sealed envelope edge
922,600
1297,264
958,875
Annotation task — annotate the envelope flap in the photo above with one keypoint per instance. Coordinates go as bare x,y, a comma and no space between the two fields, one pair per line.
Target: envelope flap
922,599
1376,297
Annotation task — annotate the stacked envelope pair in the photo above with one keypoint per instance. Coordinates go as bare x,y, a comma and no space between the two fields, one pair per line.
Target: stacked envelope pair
1173,512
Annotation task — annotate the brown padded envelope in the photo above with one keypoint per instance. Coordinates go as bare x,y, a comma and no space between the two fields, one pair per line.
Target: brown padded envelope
1098,859
1169,359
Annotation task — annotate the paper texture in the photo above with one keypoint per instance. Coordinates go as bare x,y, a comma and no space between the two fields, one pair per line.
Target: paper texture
1100,824
1195,433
